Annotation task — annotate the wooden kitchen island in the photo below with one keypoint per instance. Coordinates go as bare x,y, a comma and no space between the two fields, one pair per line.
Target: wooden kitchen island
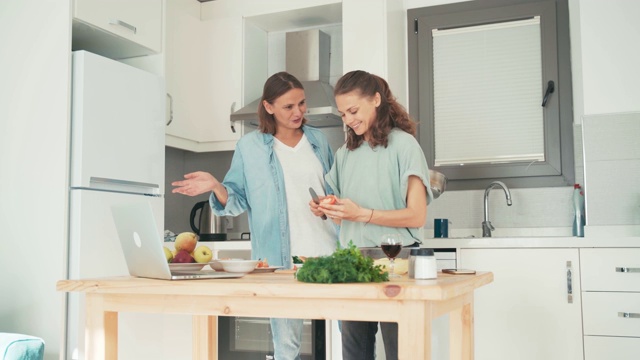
410,303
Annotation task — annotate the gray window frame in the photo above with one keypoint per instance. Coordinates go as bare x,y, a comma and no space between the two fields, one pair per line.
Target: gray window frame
558,167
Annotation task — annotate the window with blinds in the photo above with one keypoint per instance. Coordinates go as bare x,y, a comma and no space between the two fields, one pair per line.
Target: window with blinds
490,86
487,93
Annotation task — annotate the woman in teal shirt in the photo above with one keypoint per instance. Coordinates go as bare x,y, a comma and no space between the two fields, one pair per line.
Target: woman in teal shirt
381,179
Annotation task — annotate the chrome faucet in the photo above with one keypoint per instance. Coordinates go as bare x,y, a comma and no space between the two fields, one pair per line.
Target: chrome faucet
486,224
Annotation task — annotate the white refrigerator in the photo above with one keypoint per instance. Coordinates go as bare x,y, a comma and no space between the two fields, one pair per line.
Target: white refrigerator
117,156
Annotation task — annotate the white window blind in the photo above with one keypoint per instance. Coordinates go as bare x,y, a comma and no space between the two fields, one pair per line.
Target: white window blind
488,93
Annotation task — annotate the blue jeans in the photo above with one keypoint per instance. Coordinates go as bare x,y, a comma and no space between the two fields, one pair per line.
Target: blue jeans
359,340
287,338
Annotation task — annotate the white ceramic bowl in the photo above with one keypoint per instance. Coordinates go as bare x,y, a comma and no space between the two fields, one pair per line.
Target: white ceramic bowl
238,266
215,265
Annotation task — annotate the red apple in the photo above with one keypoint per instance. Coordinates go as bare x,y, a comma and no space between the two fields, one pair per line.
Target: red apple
182,256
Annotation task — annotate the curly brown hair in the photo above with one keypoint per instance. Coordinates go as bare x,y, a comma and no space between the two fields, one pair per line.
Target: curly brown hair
276,85
389,114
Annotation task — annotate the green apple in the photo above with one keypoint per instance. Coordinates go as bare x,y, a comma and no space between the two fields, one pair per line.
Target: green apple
202,254
168,254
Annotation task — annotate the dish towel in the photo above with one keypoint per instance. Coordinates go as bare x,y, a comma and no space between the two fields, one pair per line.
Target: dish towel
21,347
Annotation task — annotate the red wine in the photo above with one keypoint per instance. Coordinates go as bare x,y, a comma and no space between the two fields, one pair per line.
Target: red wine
391,250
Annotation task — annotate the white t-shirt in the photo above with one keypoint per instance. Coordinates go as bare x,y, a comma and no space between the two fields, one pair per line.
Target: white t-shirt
310,235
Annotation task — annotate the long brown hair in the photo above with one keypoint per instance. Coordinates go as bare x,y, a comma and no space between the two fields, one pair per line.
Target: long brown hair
389,114
275,86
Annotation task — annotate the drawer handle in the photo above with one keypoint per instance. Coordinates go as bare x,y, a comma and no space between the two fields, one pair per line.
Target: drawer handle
123,24
627,270
629,315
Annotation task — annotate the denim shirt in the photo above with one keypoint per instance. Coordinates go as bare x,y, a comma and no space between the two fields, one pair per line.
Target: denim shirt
255,183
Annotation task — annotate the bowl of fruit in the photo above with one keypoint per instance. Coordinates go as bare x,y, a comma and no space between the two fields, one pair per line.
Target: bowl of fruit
187,255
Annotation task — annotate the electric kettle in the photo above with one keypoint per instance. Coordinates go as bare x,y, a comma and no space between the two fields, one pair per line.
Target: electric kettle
211,227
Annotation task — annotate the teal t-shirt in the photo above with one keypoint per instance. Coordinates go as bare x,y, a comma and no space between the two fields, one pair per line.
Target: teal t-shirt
377,178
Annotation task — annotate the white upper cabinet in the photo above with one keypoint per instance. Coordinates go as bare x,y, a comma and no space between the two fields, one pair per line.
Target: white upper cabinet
118,29
203,72
183,73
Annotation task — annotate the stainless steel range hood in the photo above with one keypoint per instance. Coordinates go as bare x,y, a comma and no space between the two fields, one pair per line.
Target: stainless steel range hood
308,54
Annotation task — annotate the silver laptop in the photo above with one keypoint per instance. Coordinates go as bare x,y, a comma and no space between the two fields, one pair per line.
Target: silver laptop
142,246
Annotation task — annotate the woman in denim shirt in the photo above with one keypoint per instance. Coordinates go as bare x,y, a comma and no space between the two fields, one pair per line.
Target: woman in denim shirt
270,174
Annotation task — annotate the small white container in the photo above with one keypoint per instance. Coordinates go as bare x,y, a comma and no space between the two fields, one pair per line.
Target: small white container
425,265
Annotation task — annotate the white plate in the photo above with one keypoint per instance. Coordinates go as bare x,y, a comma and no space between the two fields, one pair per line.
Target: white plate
267,269
186,266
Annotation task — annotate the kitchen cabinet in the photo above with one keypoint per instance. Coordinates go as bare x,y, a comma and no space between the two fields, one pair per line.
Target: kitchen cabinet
203,73
182,72
611,303
118,28
527,312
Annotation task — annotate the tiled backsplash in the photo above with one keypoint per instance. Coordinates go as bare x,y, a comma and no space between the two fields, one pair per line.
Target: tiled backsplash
612,173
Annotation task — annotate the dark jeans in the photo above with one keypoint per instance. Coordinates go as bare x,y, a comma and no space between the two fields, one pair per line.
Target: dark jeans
359,340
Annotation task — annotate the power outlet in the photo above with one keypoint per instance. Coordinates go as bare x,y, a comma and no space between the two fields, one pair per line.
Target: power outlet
228,223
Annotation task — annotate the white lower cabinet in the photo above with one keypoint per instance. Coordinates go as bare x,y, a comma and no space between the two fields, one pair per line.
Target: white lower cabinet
527,313
609,347
611,303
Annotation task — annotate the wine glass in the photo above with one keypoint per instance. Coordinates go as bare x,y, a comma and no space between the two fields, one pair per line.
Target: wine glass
391,245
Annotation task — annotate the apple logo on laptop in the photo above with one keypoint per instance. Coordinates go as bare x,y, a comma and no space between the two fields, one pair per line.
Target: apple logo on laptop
136,239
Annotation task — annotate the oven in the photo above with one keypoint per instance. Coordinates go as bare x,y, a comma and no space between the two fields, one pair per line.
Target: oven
249,338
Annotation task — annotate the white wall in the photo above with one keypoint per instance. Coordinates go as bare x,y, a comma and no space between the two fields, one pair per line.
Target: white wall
35,38
610,55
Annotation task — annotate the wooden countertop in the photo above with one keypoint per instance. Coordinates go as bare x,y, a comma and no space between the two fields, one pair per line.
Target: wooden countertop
285,285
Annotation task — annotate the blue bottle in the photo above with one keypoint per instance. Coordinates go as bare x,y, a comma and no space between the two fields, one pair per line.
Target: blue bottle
578,209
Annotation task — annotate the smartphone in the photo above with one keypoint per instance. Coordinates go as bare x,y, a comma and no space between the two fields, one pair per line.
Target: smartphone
459,271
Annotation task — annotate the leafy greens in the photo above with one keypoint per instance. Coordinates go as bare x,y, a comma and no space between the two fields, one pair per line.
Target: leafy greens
345,265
